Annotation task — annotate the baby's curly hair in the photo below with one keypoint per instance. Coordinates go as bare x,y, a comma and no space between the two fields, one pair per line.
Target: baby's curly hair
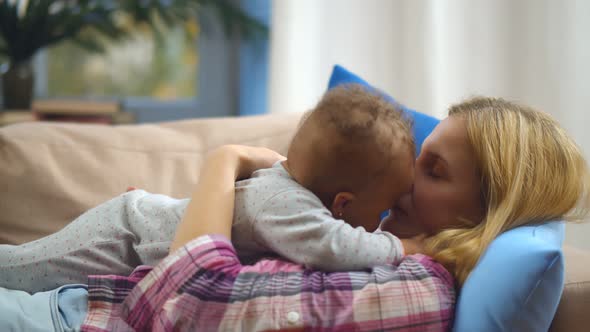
348,140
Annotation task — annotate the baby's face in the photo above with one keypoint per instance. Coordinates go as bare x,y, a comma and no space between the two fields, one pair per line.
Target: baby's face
381,195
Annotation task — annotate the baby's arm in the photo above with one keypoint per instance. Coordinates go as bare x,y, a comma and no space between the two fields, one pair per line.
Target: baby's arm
295,225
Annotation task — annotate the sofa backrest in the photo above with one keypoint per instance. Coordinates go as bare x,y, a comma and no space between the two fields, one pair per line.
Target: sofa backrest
52,172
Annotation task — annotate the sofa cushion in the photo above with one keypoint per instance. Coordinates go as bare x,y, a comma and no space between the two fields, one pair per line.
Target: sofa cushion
52,172
517,283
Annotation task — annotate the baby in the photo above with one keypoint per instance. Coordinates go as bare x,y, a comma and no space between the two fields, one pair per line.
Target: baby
349,161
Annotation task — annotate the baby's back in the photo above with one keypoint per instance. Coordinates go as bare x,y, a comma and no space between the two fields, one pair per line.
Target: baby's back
257,195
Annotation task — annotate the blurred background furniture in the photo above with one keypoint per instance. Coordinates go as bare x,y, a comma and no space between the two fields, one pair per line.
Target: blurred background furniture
159,59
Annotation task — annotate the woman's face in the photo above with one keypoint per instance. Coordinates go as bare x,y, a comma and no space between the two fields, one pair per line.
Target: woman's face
447,184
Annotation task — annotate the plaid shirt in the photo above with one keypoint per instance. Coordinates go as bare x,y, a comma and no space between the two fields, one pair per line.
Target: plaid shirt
203,287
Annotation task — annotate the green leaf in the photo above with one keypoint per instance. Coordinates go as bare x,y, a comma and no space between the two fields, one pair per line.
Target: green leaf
85,20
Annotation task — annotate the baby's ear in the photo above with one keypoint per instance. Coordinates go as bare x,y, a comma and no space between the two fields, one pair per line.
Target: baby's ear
341,200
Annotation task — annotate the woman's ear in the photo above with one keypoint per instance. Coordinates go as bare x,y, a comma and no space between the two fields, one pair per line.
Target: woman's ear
340,202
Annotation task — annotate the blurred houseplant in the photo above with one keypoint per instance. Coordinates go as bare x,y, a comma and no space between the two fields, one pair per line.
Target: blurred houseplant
27,26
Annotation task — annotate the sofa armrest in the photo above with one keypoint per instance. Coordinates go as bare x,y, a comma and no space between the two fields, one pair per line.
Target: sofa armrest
572,314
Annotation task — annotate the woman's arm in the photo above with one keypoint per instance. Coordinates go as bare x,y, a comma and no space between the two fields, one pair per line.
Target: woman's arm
229,296
212,202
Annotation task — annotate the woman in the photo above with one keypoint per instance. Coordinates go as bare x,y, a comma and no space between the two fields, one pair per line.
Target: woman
489,167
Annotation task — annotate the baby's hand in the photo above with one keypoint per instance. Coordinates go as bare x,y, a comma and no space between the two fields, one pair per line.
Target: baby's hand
131,189
414,245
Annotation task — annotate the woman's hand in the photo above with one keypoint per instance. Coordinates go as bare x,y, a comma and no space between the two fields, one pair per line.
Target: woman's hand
414,245
211,208
401,229
249,158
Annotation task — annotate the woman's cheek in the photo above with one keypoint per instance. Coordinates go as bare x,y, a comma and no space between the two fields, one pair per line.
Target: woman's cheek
426,207
421,195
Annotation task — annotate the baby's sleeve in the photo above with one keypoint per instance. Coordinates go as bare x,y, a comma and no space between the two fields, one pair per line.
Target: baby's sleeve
295,225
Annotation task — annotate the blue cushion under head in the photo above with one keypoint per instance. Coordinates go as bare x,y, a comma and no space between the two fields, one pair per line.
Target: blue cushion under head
517,283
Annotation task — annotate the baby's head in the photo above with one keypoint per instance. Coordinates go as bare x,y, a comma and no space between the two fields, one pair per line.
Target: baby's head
355,151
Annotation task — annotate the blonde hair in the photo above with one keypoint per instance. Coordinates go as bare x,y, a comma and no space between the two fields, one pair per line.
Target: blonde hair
531,172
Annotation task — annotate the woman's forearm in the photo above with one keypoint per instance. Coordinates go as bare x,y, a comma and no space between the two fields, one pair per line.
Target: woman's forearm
210,210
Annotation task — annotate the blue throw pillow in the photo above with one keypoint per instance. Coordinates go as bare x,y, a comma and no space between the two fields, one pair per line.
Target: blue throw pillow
517,283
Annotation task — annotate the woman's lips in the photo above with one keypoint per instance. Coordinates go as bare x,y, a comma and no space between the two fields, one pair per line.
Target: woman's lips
403,206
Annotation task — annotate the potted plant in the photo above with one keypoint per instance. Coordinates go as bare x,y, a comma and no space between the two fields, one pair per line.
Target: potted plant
27,26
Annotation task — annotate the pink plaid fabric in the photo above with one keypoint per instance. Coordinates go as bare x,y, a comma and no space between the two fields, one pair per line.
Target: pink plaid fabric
203,287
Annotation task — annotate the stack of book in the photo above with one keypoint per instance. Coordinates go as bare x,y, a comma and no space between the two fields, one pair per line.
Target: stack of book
79,110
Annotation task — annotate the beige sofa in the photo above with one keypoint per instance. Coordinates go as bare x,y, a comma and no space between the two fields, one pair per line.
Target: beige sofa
50,173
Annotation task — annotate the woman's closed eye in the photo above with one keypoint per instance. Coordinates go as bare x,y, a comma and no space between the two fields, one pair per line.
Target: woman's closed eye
433,167
436,171
433,175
